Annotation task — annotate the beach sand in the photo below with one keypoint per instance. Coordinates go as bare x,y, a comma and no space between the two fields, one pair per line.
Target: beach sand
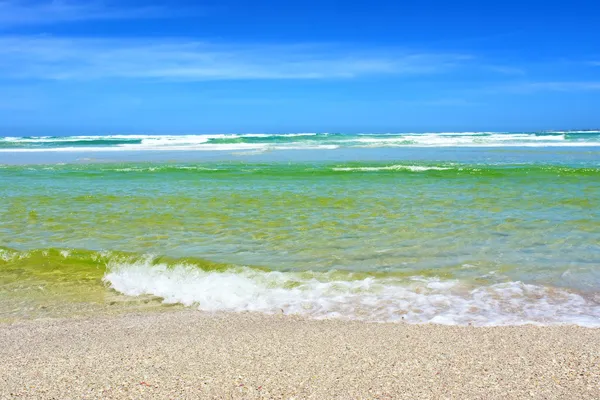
191,354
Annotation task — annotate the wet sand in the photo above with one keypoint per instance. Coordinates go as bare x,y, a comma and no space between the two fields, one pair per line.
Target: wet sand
189,354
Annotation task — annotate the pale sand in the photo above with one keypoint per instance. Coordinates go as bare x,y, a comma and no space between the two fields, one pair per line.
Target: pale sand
196,355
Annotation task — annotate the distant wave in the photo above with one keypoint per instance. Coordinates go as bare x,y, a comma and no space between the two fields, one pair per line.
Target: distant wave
101,171
413,168
290,141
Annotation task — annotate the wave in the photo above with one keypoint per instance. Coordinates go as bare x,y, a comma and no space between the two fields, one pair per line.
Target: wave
294,141
376,299
141,170
413,168
364,296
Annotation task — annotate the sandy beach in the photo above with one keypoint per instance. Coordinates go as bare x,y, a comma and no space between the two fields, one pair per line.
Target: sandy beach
189,354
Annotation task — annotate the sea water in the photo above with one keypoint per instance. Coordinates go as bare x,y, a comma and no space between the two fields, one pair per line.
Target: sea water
454,228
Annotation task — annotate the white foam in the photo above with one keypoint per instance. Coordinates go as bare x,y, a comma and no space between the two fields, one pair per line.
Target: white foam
320,295
207,143
469,139
413,168
6,255
161,168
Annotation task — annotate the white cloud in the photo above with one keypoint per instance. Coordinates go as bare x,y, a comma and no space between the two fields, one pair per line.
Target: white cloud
19,12
54,58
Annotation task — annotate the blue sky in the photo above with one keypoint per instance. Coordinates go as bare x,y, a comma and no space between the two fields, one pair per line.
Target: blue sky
101,67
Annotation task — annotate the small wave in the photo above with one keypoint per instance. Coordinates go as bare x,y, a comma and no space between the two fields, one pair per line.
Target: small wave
100,171
413,168
164,168
364,296
375,299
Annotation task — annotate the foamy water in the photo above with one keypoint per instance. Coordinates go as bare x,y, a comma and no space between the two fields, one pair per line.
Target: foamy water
413,168
298,141
321,295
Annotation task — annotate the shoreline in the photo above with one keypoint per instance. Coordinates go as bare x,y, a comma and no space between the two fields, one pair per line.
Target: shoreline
193,354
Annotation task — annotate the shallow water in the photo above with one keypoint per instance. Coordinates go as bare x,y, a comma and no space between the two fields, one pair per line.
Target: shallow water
483,236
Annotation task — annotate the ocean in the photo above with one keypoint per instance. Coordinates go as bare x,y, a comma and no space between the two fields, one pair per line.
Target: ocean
474,228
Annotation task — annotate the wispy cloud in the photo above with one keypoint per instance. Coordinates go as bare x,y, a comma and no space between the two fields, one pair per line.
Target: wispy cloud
506,70
18,12
553,86
53,58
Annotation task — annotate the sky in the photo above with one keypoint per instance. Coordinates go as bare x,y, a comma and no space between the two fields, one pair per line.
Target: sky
116,67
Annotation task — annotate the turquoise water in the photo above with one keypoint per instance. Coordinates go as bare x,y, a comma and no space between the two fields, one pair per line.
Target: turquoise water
484,235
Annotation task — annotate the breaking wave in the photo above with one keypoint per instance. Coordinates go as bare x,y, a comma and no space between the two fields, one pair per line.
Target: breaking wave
338,294
289,141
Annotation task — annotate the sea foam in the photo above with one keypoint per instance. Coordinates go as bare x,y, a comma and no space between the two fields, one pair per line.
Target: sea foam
296,141
413,168
375,299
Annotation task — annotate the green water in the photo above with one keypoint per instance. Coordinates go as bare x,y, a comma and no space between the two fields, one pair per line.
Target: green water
391,225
